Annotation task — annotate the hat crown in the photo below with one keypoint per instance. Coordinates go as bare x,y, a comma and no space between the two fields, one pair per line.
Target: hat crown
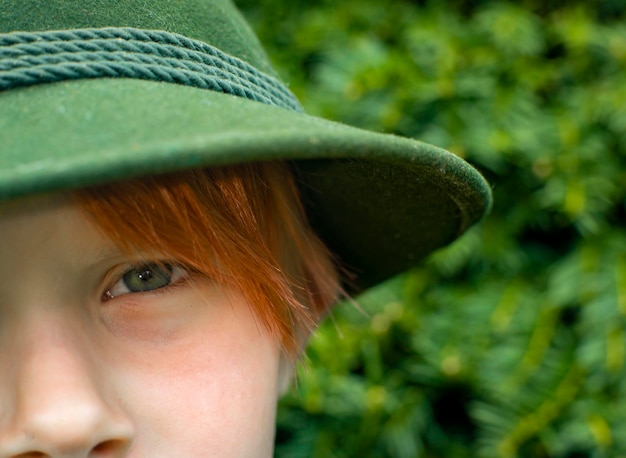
216,22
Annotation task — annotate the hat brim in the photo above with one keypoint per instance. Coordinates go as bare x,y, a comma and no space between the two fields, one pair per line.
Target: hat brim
380,202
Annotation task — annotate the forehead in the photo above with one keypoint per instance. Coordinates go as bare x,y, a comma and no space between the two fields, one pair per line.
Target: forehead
56,225
23,208
28,222
51,225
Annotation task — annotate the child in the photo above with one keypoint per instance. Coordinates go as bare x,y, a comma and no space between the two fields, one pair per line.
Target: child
173,227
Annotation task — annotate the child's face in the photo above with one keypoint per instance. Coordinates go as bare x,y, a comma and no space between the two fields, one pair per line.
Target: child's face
180,370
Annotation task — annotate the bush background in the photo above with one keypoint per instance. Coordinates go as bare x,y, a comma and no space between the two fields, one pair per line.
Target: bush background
511,342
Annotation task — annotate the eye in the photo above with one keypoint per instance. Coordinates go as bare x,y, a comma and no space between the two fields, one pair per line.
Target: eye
146,277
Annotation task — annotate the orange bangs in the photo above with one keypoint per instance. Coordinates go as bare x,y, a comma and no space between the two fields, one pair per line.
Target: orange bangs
242,226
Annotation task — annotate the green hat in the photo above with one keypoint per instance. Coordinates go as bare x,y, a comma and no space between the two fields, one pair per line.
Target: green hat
98,90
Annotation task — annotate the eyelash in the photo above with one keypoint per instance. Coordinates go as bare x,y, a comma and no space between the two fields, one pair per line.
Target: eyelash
176,275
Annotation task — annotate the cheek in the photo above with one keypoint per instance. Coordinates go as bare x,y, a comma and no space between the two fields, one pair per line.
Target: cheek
209,391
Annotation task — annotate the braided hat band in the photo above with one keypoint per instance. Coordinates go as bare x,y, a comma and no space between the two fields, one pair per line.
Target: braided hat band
31,58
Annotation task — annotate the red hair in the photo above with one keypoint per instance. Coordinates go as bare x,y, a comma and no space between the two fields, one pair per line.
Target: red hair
243,226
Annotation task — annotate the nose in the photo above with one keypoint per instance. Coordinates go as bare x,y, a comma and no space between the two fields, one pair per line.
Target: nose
56,403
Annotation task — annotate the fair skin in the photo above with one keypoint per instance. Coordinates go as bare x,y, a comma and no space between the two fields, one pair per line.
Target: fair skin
91,369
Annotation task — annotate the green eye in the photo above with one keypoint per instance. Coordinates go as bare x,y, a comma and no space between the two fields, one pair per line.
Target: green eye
148,277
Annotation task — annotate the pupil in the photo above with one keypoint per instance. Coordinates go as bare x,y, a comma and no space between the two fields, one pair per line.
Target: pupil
146,275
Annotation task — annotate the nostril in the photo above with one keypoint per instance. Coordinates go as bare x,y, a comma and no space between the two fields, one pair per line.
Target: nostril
106,448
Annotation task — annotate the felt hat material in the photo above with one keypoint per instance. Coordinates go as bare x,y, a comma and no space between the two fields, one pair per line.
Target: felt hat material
96,91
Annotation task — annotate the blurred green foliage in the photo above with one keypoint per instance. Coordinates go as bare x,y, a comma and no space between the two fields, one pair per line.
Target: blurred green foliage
511,342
